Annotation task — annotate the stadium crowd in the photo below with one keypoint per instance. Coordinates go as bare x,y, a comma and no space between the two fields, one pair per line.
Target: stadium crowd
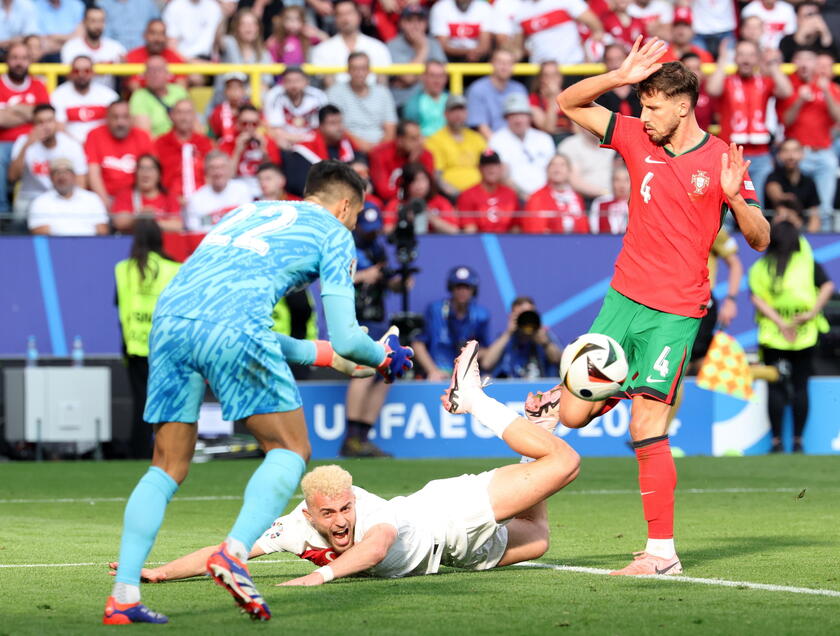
99,150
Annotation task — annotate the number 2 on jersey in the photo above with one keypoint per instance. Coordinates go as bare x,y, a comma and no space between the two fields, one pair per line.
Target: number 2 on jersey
644,190
250,240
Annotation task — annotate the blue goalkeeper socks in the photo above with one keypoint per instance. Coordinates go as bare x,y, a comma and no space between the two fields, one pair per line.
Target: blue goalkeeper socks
266,495
142,520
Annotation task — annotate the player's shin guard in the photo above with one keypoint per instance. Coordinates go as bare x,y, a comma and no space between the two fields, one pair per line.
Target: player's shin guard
657,482
141,522
267,494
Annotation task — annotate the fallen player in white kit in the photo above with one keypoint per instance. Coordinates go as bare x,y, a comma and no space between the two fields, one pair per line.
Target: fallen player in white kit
474,522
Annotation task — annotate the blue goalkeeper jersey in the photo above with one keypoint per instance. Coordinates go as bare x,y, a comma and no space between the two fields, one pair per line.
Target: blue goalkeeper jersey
255,255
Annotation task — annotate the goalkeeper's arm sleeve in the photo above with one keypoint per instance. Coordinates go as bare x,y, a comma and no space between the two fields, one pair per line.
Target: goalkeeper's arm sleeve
347,338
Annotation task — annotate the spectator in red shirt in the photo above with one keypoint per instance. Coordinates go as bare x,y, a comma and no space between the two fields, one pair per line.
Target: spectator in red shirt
182,151
682,39
19,93
112,151
556,208
547,116
155,38
251,147
488,206
428,210
620,25
147,196
809,115
222,120
705,110
608,214
388,158
273,183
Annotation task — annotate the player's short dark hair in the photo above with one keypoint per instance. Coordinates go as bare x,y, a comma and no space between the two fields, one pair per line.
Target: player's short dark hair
671,80
40,108
269,165
402,126
326,111
90,8
327,178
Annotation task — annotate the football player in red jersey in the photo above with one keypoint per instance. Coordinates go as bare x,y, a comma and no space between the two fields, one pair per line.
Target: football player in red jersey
683,181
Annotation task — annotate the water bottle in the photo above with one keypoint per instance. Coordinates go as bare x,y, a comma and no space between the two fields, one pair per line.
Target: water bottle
78,353
31,352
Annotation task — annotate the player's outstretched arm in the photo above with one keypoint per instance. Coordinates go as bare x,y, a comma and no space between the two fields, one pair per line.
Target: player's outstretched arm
751,221
185,567
577,101
371,550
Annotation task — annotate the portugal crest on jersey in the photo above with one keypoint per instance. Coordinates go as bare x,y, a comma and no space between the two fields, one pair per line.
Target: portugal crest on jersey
700,180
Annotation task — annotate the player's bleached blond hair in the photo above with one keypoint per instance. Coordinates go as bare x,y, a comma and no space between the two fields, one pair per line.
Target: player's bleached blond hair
330,481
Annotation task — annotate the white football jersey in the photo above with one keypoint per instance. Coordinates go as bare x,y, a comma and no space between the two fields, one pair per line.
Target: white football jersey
280,112
206,206
81,113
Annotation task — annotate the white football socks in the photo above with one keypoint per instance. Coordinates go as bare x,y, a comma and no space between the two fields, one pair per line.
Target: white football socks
492,413
663,548
125,593
237,549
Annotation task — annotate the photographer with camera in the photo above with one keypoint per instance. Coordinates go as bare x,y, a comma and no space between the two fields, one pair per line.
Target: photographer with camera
525,348
419,200
450,323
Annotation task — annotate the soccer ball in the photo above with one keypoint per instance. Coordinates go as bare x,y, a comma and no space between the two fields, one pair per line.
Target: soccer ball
593,367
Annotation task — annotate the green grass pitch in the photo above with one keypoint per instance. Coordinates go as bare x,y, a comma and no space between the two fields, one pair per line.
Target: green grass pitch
738,519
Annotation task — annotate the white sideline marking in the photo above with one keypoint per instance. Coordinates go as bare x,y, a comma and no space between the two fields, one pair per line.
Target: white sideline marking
105,564
684,491
767,587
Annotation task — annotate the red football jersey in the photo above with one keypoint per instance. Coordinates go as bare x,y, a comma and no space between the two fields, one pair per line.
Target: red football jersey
488,211
117,157
174,157
814,123
29,93
676,208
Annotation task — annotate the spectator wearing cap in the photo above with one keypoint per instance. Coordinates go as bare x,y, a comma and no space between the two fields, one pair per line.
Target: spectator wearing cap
622,99
192,26
219,195
426,107
329,141
682,39
777,16
556,208
291,108
222,119
525,151
714,22
489,205
181,151
412,45
92,42
155,43
251,147
273,183
463,28
80,104
151,104
127,21
811,33
388,159
449,323
456,150
592,168
486,96
787,184
32,154
349,39
66,209
370,115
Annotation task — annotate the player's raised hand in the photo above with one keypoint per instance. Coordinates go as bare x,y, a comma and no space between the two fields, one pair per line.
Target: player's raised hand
397,357
642,61
733,170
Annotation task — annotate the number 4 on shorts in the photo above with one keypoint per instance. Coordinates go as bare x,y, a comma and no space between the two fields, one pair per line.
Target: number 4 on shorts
661,363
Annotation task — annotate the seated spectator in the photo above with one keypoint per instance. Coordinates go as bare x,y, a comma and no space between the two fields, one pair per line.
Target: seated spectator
608,214
251,147
705,110
449,323
219,195
486,96
32,154
244,45
809,116
592,169
66,209
80,104
273,184
181,152
548,30
811,33
126,21
147,196
544,109
657,16
426,106
112,152
787,184
752,30
329,141
155,45
192,26
463,28
348,40
387,159
150,105
292,37
361,168
20,18
93,44
58,21
412,45
556,208
456,150
621,27
525,151
488,206
36,51
623,99
370,116
425,208
789,210
682,39
525,348
222,120
291,108
778,17
714,22
19,93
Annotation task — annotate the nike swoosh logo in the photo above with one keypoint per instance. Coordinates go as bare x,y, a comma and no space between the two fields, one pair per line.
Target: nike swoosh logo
664,570
653,380
649,159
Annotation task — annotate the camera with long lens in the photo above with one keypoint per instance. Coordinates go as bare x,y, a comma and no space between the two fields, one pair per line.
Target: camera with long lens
404,239
528,322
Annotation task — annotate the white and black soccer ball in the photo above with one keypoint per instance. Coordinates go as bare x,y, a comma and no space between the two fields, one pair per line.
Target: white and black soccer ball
593,367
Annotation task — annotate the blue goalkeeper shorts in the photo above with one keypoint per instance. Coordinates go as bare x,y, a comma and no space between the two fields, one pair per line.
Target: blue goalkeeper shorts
247,372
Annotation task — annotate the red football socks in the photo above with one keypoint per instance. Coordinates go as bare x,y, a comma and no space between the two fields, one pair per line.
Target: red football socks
657,482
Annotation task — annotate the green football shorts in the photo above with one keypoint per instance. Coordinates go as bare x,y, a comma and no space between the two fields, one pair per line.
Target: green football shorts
657,345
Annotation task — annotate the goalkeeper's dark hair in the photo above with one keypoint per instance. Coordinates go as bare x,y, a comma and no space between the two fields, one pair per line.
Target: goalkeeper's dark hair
671,80
332,180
